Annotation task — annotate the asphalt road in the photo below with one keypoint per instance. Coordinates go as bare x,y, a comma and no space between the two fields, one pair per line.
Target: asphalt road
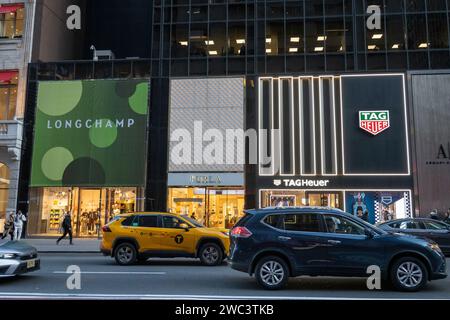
183,279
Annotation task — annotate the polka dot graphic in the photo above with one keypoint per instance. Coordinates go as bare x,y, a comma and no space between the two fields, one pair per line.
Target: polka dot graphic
55,161
104,136
59,98
136,100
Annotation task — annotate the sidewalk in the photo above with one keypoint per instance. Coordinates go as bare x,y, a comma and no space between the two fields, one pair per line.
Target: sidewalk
49,245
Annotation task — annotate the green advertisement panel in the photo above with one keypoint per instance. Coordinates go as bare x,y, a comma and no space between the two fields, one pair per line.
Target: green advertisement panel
90,133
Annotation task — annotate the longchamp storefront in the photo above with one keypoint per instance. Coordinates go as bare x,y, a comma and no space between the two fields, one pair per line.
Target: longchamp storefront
89,154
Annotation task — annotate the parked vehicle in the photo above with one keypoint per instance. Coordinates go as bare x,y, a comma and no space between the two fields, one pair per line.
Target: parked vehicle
18,257
136,237
429,228
277,243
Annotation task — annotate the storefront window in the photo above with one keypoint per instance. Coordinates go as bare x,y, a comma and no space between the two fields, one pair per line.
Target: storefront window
91,208
213,207
299,198
11,21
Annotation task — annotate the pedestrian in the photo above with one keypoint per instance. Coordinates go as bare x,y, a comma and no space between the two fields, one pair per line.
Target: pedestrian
18,225
447,216
434,214
66,228
9,226
365,216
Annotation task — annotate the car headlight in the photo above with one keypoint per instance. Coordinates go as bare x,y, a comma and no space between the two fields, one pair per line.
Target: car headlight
434,246
225,233
7,255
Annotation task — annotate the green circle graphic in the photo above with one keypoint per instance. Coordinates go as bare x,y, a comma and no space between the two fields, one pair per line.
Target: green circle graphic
55,161
138,101
103,137
59,98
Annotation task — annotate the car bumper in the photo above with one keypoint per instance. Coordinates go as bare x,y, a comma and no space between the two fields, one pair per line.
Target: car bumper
239,266
16,267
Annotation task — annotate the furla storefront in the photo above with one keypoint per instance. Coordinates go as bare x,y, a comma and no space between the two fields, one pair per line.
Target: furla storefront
339,141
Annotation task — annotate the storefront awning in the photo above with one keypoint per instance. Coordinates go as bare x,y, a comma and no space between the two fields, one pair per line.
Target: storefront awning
7,76
10,8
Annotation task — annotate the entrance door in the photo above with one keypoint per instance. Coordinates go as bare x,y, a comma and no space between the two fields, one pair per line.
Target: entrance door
89,213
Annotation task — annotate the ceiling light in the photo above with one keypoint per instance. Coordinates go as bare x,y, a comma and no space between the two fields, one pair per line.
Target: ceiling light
293,49
213,52
184,43
240,41
395,46
371,47
321,38
341,48
423,45
295,39
209,42
268,50
268,40
377,36
317,49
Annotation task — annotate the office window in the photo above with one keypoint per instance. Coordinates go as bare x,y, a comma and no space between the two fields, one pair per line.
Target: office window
8,95
295,37
180,40
11,21
217,36
335,35
199,40
438,30
415,5
237,42
315,37
417,32
395,31
275,38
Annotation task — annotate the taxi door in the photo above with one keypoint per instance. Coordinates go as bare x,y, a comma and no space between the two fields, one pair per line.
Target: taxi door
148,233
176,239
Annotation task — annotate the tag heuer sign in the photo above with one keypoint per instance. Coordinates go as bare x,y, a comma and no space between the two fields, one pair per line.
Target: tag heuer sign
374,122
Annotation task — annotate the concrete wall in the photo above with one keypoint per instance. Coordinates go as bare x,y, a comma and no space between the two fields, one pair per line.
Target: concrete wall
53,41
430,101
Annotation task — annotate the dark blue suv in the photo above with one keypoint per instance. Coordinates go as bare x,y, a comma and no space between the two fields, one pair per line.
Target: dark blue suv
277,243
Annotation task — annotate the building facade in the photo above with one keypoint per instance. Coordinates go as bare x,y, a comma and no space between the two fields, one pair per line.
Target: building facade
248,104
16,29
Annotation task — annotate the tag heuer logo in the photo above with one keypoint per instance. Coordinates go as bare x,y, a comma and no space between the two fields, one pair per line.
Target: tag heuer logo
374,122
277,182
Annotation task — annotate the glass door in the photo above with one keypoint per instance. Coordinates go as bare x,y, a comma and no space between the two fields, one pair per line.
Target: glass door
89,213
321,199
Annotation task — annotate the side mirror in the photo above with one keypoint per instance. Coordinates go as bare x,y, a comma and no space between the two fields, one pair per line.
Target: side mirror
369,233
184,226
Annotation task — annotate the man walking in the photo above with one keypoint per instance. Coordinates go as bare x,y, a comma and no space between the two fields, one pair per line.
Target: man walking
18,225
67,228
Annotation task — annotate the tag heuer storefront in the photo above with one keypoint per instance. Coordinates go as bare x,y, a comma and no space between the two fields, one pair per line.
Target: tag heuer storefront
339,141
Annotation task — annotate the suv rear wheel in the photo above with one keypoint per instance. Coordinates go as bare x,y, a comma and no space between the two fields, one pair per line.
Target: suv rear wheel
125,254
272,273
409,274
211,254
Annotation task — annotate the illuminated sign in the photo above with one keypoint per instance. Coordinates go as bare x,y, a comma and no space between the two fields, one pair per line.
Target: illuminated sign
374,122
300,183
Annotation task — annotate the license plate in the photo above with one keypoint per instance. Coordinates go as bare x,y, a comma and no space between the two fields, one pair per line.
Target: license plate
31,264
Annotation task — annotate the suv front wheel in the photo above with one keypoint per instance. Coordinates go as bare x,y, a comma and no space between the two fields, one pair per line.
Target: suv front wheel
409,274
272,273
125,254
211,254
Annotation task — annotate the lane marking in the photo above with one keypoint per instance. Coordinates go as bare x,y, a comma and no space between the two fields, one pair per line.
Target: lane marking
115,272
189,297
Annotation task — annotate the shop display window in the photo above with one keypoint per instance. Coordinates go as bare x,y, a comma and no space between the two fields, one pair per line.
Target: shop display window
213,207
91,208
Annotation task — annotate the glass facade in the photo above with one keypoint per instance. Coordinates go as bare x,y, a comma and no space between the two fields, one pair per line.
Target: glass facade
217,37
8,98
91,208
11,21
213,207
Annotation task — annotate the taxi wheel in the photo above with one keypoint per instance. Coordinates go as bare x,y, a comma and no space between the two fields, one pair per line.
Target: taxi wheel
125,254
211,254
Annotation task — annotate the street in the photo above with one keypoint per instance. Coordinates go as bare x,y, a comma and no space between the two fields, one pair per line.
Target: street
101,278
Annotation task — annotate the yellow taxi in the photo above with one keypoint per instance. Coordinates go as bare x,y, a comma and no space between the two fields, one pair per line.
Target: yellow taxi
132,238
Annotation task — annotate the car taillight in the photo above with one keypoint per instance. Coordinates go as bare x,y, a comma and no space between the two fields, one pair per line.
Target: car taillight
106,229
241,232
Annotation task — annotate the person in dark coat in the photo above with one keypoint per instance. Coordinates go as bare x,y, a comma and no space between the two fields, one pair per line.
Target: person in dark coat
66,228
447,217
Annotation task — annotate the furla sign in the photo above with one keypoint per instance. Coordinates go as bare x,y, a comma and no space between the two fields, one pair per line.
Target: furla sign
374,122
